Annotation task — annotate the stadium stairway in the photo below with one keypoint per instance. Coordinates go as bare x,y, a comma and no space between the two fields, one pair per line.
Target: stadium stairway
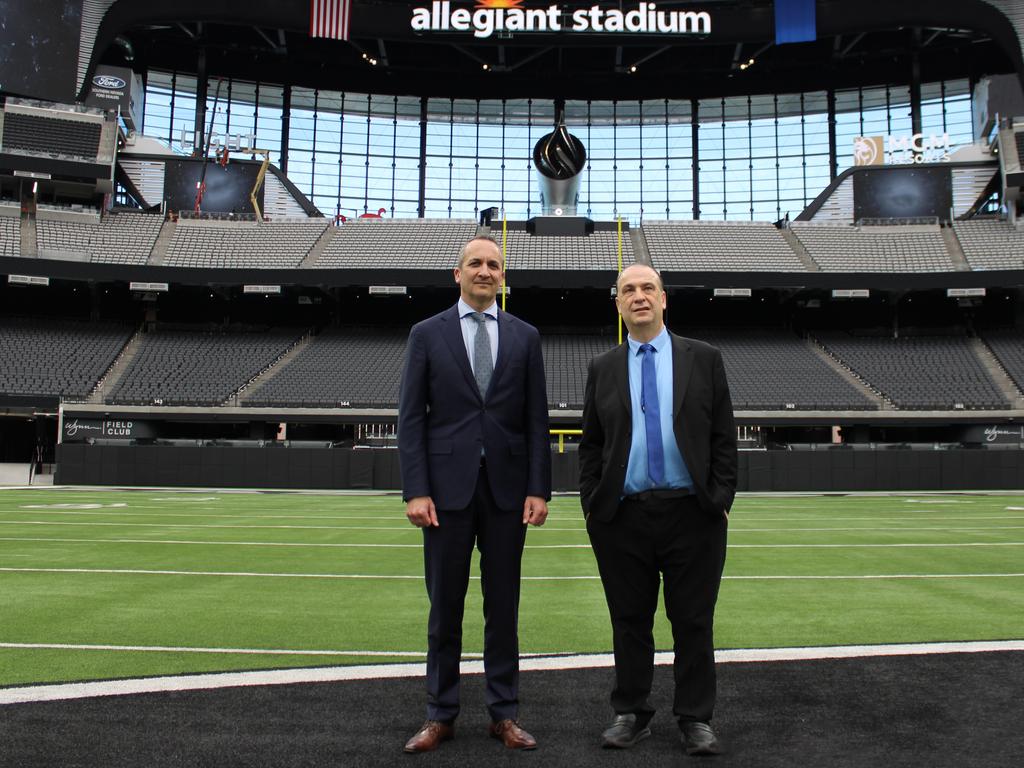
799,250
880,401
163,240
29,242
318,248
997,373
108,381
254,386
956,251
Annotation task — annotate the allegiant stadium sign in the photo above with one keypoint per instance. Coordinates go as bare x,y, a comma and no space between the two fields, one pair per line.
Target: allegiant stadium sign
490,17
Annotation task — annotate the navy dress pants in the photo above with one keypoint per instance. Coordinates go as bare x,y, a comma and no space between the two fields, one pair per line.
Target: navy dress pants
499,535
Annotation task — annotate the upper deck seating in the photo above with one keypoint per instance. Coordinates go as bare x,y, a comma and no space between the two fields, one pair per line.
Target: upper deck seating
708,246
119,237
397,244
991,244
10,236
596,251
39,134
843,248
221,244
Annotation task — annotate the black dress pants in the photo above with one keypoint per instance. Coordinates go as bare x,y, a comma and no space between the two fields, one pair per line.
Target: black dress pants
448,550
644,541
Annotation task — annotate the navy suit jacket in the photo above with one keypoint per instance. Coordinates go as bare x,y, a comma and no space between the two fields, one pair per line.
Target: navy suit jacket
443,422
702,421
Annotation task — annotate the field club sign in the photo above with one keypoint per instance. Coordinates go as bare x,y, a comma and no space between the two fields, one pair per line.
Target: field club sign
491,17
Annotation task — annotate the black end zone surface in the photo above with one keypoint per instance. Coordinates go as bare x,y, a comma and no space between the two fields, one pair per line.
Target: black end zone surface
955,710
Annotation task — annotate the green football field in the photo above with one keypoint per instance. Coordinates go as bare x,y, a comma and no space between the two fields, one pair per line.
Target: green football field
99,584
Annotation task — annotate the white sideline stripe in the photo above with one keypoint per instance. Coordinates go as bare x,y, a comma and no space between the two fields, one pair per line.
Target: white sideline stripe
403,527
328,545
39,693
246,574
253,574
240,651
219,543
873,546
40,509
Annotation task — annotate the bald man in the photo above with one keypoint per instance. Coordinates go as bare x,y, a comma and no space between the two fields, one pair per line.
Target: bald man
657,478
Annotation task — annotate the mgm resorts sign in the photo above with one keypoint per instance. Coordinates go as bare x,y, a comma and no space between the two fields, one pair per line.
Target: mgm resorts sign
504,17
900,150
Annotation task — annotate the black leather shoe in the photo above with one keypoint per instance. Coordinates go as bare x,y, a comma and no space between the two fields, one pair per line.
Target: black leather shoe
699,739
624,732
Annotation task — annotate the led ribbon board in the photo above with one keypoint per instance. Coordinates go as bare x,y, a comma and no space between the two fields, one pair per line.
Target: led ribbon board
490,17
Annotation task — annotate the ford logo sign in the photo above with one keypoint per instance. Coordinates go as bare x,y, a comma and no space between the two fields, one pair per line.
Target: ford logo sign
108,81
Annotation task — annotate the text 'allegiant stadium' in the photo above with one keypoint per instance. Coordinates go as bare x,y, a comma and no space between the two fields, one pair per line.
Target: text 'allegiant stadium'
504,16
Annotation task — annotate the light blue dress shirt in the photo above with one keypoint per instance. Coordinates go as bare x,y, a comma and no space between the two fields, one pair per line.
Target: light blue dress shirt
676,473
469,328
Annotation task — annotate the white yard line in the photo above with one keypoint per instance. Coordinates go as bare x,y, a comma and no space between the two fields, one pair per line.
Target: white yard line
738,518
356,545
369,576
397,527
64,692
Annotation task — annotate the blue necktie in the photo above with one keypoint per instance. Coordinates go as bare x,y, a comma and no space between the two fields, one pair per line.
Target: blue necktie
652,417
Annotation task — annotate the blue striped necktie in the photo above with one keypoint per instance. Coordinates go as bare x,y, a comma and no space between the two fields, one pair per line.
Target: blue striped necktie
652,416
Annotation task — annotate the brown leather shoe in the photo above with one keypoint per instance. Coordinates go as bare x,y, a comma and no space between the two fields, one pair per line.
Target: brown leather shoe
511,735
430,736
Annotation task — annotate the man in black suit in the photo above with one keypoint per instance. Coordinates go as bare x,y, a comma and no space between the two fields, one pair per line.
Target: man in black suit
657,479
476,469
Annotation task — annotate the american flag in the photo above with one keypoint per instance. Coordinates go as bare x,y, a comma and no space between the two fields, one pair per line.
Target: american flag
329,18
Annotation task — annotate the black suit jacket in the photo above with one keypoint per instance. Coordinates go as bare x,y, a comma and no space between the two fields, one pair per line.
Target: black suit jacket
702,419
443,422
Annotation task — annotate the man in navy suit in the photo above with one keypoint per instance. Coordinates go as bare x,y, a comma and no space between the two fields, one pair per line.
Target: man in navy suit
657,479
476,469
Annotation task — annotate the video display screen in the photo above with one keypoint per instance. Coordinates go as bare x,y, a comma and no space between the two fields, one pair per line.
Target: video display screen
227,188
39,48
896,193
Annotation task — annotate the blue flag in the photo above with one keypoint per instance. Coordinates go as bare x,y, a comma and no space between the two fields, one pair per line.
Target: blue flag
795,21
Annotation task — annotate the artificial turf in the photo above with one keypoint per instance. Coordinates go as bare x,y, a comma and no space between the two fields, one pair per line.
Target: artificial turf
147,569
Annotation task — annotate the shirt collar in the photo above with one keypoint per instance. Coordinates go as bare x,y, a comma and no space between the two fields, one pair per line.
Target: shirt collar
658,342
465,309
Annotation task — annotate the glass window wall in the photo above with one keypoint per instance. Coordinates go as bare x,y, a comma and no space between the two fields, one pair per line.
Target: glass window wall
759,157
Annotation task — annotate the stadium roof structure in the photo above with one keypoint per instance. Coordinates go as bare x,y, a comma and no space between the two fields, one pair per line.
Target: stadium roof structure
522,48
